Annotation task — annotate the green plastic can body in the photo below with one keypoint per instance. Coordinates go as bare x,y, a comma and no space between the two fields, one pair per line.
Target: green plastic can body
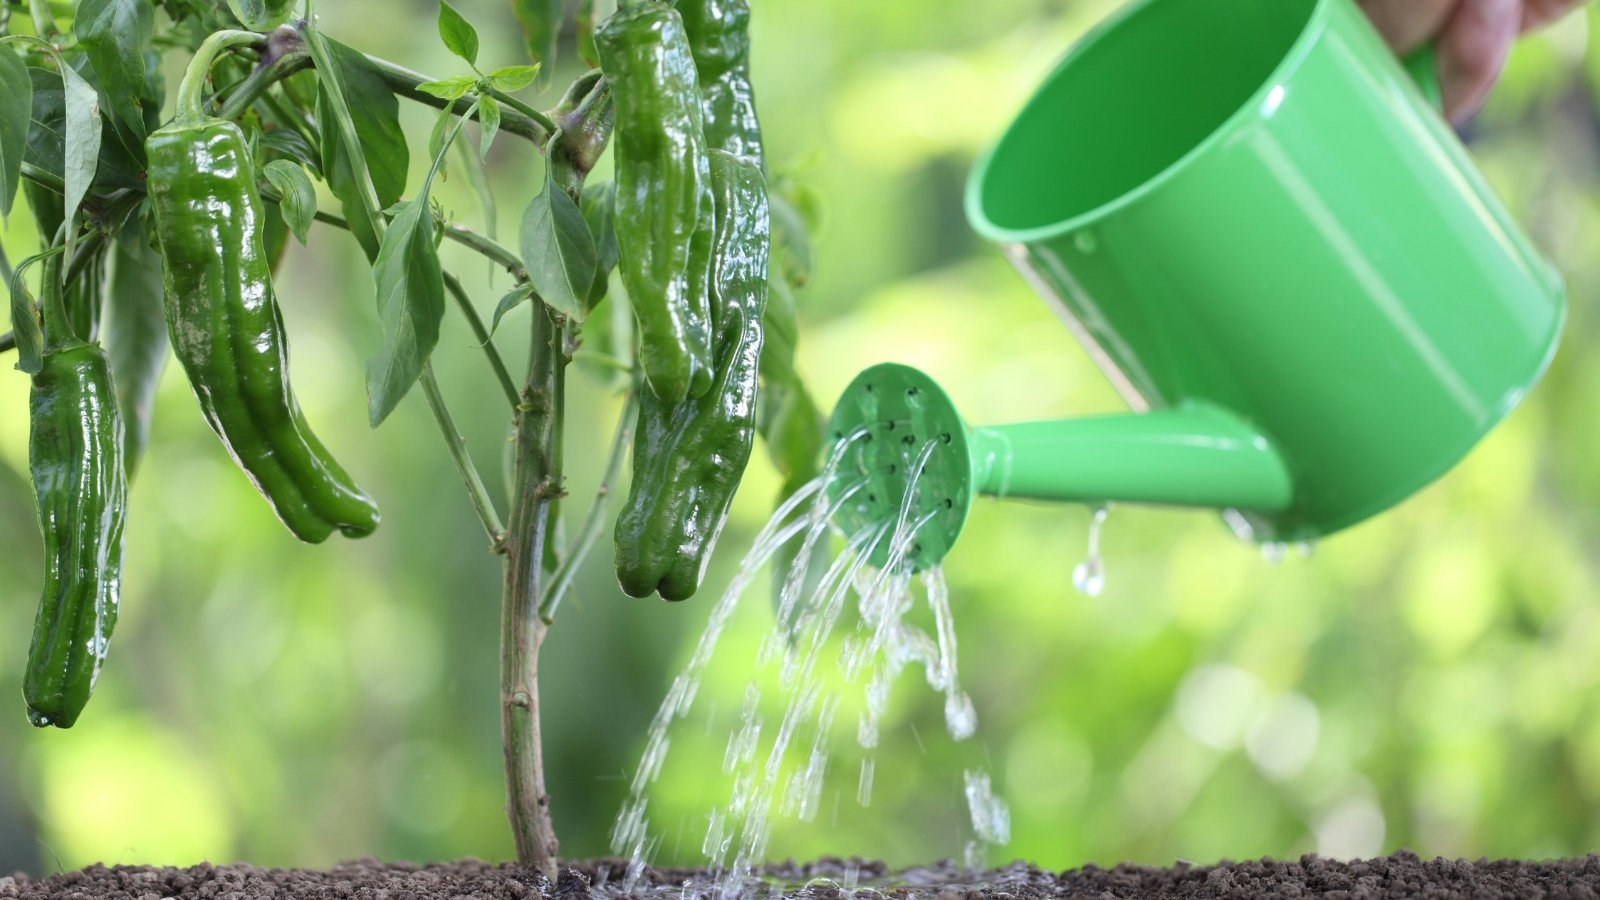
1249,206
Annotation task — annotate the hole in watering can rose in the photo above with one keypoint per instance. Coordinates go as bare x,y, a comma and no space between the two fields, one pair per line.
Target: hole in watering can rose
949,503
946,437
909,439
889,424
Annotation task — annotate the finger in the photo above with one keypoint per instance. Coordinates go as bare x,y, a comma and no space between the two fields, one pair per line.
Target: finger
1406,24
1537,13
1472,51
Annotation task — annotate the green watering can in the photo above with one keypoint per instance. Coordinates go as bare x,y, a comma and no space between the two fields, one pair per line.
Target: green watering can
1266,236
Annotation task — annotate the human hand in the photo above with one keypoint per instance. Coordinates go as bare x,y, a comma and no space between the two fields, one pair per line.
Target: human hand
1472,38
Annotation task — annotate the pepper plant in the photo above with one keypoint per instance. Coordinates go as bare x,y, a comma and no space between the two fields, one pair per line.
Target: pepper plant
163,215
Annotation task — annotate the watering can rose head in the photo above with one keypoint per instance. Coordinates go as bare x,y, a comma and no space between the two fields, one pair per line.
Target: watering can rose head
1289,267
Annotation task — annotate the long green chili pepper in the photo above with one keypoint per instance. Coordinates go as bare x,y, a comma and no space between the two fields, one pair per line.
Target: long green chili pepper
663,195
224,321
719,36
688,457
79,481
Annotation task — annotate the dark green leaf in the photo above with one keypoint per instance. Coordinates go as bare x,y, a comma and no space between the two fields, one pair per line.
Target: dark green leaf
115,34
299,198
600,214
514,78
489,124
83,145
25,324
260,15
457,33
453,88
410,306
558,251
135,333
541,26
16,111
584,23
120,165
376,115
510,301
286,143
441,128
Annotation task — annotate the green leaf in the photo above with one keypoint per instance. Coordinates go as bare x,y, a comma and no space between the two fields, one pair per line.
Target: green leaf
286,143
16,111
478,177
457,33
375,113
541,26
517,296
25,324
453,88
558,251
82,156
514,78
260,15
115,35
488,124
299,198
441,126
410,306
135,334
583,20
600,214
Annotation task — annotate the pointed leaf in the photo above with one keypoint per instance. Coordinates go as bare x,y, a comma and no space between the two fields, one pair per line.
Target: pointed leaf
25,324
514,78
375,113
452,88
299,198
16,110
488,123
82,147
457,33
410,306
558,251
115,35
135,334
441,128
510,301
541,26
260,15
599,213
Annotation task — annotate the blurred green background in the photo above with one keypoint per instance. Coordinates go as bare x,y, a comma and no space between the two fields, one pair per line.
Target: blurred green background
1430,679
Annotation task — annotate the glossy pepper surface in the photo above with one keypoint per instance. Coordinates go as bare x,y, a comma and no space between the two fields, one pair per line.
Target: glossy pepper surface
719,38
227,331
689,457
663,195
79,481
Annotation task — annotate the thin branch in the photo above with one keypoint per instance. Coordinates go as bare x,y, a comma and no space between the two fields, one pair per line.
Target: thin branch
485,342
404,82
44,179
595,519
8,342
481,501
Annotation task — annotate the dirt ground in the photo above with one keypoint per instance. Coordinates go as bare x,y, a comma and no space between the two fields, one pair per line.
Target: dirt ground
1400,875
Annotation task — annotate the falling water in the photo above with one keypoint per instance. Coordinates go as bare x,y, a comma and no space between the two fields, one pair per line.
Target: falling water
882,644
1089,576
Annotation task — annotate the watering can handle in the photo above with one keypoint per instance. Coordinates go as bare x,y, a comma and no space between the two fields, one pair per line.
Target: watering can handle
1423,66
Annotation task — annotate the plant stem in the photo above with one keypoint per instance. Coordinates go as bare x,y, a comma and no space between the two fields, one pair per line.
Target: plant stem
475,322
45,179
188,105
595,519
536,488
463,460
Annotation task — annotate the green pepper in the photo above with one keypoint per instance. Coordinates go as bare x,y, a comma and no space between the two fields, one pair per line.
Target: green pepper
689,457
719,37
79,482
663,202
224,321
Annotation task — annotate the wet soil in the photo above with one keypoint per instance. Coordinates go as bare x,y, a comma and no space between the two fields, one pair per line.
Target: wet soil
1400,875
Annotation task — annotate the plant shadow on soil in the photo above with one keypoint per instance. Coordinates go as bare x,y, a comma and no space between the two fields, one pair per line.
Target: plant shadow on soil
1400,875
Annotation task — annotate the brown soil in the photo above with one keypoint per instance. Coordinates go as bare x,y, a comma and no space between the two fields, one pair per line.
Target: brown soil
1401,875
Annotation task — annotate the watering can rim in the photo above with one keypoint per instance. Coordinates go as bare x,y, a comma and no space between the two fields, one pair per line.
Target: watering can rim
1293,57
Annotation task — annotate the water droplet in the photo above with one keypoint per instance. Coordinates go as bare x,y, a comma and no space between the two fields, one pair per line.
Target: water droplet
1089,576
1305,549
864,785
1086,242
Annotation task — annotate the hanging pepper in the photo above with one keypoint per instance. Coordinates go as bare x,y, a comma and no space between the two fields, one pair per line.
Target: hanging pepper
719,37
663,195
81,488
689,457
224,321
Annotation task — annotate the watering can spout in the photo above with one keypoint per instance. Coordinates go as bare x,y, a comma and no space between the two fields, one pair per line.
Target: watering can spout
1195,455
906,458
